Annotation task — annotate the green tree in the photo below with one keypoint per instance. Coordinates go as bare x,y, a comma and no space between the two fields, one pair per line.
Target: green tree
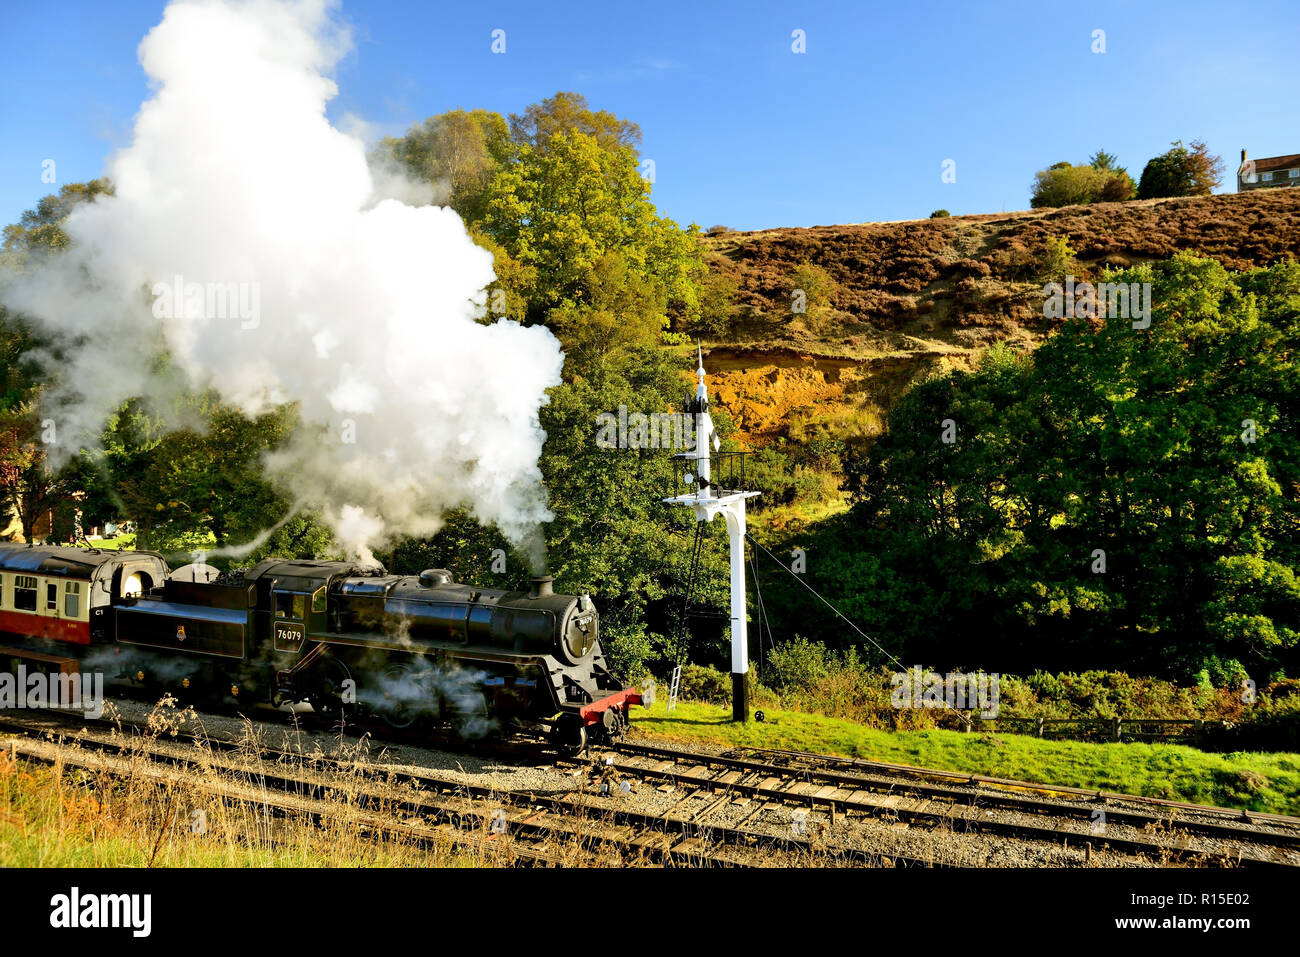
1065,185
1181,172
1130,492
814,282
563,211
556,194
460,151
194,479
570,113
718,311
1105,161
41,228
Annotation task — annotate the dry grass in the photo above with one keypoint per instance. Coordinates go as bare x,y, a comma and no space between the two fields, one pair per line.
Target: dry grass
86,811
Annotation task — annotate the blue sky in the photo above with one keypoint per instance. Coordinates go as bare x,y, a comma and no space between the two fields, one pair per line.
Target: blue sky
743,131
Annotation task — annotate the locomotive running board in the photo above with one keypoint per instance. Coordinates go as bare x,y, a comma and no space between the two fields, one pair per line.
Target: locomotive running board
591,713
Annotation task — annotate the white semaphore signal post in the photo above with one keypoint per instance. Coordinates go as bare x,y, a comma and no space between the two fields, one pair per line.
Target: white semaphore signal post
709,500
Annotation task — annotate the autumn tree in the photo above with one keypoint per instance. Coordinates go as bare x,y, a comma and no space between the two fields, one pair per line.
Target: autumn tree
1181,171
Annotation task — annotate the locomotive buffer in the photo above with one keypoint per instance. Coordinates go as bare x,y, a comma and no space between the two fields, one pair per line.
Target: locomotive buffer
708,501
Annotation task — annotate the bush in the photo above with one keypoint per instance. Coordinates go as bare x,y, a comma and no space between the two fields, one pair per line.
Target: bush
798,664
806,676
1217,672
1057,259
1066,185
1274,725
940,214
817,285
702,683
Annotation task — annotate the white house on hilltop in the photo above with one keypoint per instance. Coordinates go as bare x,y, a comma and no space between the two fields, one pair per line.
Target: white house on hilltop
1268,172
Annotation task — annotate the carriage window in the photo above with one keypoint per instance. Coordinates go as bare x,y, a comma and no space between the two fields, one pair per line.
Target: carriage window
24,593
318,600
51,596
72,600
290,606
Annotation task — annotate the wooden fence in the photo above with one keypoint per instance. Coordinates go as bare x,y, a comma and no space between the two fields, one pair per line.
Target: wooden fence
1107,729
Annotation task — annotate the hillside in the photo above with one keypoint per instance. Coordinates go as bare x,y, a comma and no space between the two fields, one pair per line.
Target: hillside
916,297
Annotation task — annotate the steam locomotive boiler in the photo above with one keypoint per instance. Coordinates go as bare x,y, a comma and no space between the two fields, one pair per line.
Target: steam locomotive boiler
330,634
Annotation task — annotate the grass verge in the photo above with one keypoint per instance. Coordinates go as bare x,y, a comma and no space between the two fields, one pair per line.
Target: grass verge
1256,781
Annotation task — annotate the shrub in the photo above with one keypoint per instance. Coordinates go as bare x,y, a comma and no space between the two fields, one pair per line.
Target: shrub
798,663
1117,188
712,686
817,285
940,214
703,683
1057,259
1218,672
1066,185
1274,725
807,676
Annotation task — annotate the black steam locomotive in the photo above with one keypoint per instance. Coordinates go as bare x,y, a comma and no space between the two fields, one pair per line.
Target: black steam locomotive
328,634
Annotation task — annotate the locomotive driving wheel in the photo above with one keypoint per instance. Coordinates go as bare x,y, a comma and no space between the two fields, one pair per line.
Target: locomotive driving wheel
568,734
331,685
403,696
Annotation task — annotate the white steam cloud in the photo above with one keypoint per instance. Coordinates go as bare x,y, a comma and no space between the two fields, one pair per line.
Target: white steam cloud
249,238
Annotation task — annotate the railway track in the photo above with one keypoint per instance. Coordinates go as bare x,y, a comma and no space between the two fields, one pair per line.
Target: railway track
272,799
813,759
442,807
851,788
753,806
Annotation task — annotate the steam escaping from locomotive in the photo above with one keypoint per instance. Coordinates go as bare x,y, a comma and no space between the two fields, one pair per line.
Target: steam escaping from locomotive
249,239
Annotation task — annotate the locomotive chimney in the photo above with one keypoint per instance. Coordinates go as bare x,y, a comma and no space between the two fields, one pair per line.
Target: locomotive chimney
541,587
